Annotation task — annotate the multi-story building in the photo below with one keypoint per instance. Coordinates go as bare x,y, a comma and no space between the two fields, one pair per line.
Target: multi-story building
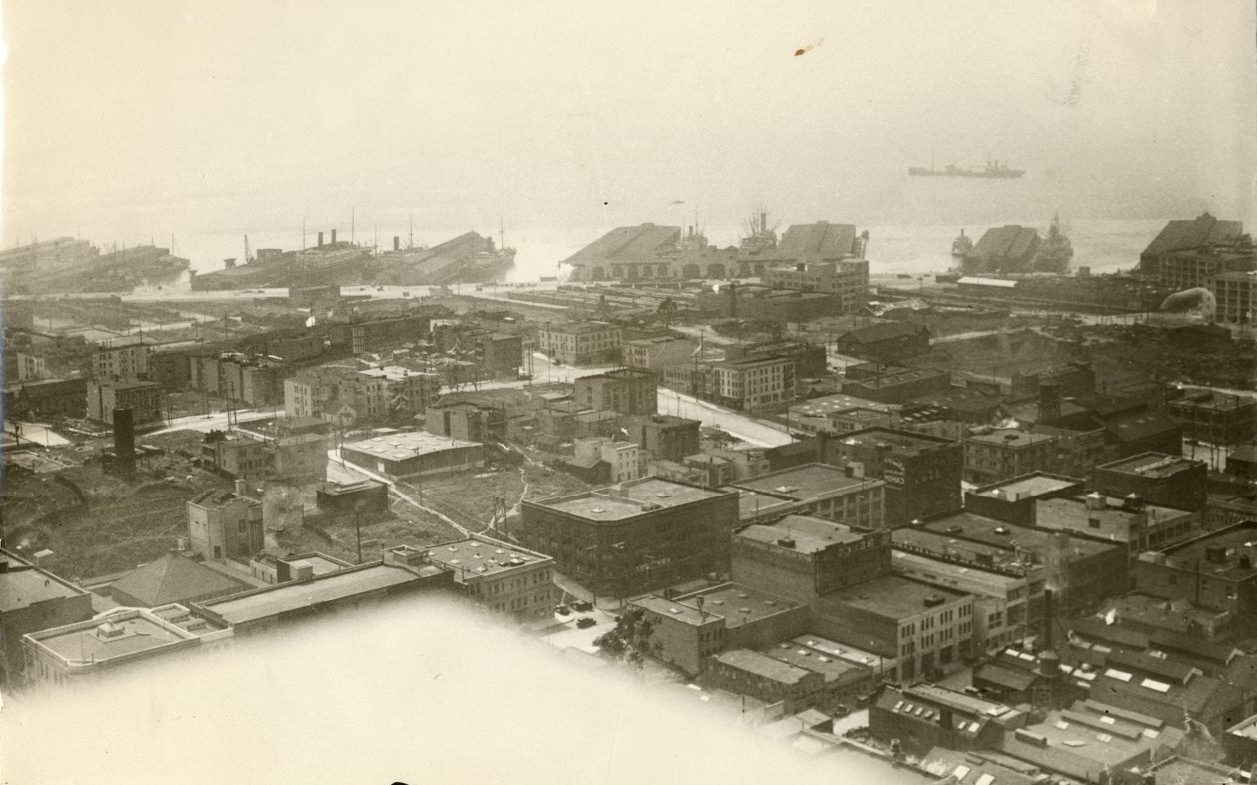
499,355
623,390
1013,501
33,599
343,501
502,577
892,384
580,343
925,716
31,367
409,392
848,279
839,495
144,399
625,461
634,537
348,397
225,525
1217,570
1141,526
1008,595
1216,418
657,353
753,383
688,630
124,637
665,437
922,473
1082,570
1186,235
1236,295
127,358
238,456
470,421
1005,454
917,629
802,557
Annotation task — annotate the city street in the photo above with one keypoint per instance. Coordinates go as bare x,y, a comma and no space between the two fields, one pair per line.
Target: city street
760,433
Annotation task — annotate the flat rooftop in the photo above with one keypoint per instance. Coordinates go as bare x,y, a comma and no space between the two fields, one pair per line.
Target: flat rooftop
956,700
476,557
1011,438
393,373
898,442
821,407
739,604
829,648
409,444
1228,548
1028,485
752,504
22,585
1154,465
810,534
631,498
118,634
813,481
349,488
286,597
763,665
831,668
942,544
891,596
978,528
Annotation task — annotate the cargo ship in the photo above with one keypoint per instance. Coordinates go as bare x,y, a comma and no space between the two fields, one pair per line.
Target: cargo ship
995,170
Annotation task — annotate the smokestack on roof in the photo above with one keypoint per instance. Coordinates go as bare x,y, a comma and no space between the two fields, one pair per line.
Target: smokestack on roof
320,239
333,237
124,439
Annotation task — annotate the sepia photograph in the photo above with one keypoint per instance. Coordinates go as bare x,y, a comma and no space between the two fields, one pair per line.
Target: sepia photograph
831,391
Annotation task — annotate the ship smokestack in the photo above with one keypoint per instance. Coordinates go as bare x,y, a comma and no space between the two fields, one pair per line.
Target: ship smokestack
320,239
397,242
333,237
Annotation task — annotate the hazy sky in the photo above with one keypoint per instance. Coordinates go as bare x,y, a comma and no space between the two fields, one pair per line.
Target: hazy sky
139,118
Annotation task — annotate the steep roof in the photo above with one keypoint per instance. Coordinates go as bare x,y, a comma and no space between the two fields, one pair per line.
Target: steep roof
820,240
173,578
1182,235
628,244
1010,241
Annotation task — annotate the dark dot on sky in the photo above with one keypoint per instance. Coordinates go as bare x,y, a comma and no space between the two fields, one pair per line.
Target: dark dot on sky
604,204
798,52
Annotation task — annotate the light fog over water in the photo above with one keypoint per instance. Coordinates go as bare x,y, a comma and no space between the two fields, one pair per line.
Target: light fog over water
417,691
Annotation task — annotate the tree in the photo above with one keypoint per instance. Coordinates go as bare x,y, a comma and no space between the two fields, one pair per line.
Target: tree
629,641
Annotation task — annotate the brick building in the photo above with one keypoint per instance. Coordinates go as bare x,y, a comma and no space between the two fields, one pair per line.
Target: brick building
623,390
922,473
666,437
1005,454
634,537
581,343
803,557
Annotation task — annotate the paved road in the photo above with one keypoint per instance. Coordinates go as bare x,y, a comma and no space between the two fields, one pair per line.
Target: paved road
211,422
761,433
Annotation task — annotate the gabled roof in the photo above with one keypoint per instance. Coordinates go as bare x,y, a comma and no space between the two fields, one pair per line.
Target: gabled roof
173,578
628,244
820,240
1182,235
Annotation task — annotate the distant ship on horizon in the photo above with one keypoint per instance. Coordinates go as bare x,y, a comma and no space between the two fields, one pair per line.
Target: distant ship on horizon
993,170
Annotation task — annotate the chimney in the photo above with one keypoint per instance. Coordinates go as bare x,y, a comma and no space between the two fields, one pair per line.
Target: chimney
733,299
333,237
1049,401
1047,619
124,439
822,442
241,490
397,242
1096,502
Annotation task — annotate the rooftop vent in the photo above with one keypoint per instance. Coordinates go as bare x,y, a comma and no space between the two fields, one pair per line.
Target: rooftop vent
786,542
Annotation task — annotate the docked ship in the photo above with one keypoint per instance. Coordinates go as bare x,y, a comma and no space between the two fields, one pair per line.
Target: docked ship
995,170
961,245
1019,250
1056,251
68,265
468,258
